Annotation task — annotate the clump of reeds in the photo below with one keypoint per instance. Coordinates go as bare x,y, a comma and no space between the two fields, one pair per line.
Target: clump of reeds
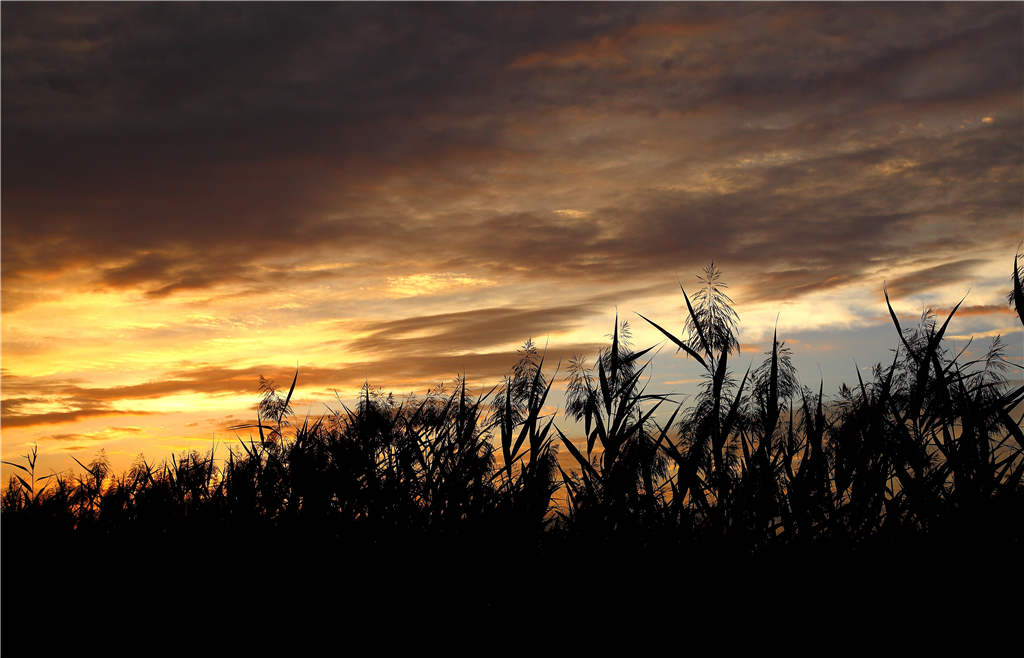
926,447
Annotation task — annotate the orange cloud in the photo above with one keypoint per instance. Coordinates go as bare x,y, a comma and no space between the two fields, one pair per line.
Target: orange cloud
982,309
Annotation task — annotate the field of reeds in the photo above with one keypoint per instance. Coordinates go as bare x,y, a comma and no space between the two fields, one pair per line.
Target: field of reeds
917,468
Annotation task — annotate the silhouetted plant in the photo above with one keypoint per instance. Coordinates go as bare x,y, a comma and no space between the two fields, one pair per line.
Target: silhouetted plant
618,482
927,446
529,457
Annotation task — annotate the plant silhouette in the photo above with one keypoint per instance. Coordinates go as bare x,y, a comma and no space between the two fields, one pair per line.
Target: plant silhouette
927,451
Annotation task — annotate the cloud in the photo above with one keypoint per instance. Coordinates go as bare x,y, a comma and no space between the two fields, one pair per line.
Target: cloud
196,159
401,371
448,332
94,436
931,277
976,310
79,410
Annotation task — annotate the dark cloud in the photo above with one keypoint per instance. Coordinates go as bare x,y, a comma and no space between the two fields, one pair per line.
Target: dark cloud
176,147
481,328
930,277
466,329
75,409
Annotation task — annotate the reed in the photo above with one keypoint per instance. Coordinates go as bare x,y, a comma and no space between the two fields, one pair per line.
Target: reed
928,447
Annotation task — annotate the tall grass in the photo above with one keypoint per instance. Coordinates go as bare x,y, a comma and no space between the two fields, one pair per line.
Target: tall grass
927,447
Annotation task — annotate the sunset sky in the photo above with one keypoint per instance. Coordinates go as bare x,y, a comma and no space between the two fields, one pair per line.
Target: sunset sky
195,195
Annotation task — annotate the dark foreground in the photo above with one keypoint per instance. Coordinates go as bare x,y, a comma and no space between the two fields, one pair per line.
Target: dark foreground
447,592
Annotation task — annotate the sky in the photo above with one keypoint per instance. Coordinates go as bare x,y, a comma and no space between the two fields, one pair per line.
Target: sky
194,195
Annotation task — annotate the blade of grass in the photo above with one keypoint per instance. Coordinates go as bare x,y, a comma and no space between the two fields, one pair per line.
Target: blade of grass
679,343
